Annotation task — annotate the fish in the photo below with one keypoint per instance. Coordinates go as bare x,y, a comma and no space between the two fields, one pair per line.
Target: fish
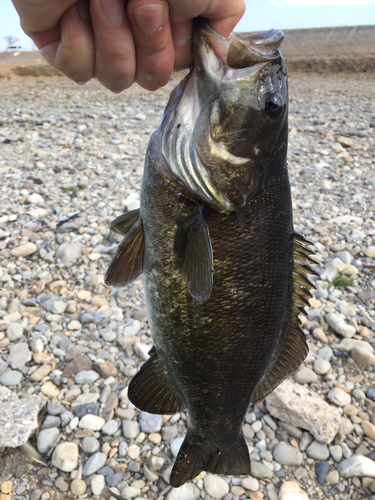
225,274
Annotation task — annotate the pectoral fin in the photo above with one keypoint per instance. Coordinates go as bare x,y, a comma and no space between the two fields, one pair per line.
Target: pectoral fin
193,251
127,264
124,222
150,390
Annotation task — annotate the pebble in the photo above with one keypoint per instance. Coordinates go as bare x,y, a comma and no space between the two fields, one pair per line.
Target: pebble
11,378
110,428
339,397
336,452
24,250
78,487
130,429
362,357
150,423
321,366
333,477
187,491
14,331
61,484
94,463
86,377
215,486
285,454
97,484
321,471
130,492
355,466
90,444
250,483
47,438
318,451
291,490
65,456
19,355
338,324
91,422
305,376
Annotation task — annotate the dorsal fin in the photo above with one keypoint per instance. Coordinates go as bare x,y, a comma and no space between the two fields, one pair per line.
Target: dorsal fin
295,348
127,264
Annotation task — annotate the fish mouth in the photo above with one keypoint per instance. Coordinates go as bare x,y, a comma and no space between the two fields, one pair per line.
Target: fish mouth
238,51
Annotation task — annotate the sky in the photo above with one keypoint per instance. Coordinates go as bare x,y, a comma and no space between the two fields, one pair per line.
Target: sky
260,15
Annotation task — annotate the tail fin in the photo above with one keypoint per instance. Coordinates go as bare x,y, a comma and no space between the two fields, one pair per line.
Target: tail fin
195,456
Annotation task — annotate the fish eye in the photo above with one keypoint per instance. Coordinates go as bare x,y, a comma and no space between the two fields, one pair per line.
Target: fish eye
273,105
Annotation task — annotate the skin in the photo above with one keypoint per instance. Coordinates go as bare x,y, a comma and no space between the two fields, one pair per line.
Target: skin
121,42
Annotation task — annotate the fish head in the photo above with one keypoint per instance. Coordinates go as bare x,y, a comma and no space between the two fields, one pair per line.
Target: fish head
224,131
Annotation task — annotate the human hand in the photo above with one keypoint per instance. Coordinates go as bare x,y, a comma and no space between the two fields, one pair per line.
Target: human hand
120,42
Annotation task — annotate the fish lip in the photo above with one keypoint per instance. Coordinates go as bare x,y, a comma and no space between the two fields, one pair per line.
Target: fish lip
238,51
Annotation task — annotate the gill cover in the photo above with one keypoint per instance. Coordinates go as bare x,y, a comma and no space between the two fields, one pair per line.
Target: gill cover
216,124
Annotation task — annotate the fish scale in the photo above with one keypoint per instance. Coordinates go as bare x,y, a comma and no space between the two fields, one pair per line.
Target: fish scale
224,283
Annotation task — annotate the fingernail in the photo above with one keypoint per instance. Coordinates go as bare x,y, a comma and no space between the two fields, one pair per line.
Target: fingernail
149,18
49,53
181,32
114,11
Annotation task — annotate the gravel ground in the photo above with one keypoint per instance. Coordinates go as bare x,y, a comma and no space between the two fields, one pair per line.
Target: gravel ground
70,345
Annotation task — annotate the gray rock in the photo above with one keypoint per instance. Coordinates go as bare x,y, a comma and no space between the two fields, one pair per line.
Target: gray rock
169,433
56,306
345,256
68,253
47,438
285,454
291,430
318,451
86,377
3,367
14,331
325,353
130,429
19,355
11,378
90,444
94,463
338,397
110,428
321,471
336,452
298,406
261,471
51,421
114,479
305,376
357,466
149,422
65,456
18,417
337,322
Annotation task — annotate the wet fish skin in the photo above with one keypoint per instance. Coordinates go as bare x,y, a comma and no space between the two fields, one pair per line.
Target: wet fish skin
225,274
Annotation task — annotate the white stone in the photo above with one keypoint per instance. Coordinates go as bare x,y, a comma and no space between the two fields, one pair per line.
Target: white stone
357,465
291,490
92,422
97,484
337,323
215,486
188,491
338,397
65,457
298,406
24,250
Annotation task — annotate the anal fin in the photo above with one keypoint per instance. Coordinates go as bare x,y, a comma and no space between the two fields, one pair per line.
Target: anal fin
149,390
127,264
193,252
195,456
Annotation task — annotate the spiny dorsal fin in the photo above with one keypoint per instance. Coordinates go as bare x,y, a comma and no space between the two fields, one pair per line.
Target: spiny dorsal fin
193,252
295,348
149,390
127,264
124,222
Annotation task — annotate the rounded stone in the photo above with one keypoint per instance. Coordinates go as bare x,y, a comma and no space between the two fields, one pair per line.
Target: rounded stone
61,484
339,397
11,378
110,428
14,331
130,492
90,444
332,477
318,451
305,376
150,423
46,439
94,463
362,357
65,457
86,377
215,486
97,484
91,422
78,487
322,366
250,483
130,429
285,454
321,471
187,491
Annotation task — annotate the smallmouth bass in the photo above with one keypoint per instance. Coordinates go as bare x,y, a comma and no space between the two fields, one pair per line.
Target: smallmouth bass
225,274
